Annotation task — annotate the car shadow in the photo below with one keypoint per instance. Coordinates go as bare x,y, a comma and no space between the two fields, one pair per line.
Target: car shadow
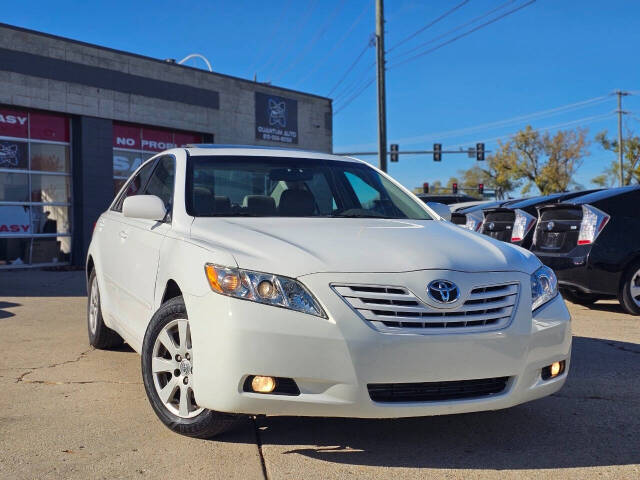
4,313
594,420
42,283
613,307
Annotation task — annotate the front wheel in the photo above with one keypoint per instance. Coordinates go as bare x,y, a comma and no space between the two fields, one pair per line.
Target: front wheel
630,293
167,368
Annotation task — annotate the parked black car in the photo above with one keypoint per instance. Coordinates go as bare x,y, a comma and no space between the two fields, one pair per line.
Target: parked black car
515,222
593,244
472,217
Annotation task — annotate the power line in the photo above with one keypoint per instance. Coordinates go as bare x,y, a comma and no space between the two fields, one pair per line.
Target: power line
354,96
428,25
508,121
344,36
455,29
294,37
583,121
450,40
351,67
462,35
316,38
348,89
275,28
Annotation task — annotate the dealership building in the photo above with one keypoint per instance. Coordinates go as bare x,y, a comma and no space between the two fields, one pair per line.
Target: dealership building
77,119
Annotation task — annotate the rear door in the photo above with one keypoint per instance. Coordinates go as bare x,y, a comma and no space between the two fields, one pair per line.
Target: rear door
143,239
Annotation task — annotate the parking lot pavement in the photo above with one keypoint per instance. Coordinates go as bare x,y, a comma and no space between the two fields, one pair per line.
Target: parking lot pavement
68,411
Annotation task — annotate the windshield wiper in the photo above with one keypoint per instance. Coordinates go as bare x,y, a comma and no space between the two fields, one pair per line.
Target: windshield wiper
234,214
358,215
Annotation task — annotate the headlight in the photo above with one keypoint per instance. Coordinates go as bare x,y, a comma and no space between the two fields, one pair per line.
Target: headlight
262,288
544,287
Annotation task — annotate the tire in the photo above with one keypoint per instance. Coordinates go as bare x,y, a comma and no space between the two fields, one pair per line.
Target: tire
580,298
167,345
629,295
100,336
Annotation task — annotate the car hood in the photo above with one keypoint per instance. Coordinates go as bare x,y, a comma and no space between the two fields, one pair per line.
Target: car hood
300,246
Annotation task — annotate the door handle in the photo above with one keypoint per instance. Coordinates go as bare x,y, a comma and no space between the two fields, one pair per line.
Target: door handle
123,235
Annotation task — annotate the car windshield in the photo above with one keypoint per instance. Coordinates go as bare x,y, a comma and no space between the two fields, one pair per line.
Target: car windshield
236,186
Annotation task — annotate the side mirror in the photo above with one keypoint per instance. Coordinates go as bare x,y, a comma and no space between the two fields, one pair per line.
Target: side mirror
149,207
440,208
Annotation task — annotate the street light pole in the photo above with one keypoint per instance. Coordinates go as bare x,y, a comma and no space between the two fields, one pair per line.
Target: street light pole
382,108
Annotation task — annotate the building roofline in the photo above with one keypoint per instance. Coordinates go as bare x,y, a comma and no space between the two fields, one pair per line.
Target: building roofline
163,62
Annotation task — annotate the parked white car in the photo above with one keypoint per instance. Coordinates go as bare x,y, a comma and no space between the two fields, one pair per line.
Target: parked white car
283,282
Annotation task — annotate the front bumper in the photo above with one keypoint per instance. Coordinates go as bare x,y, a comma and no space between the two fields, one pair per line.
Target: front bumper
332,360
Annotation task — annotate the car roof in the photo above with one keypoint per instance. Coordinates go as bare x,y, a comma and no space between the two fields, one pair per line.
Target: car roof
260,151
602,194
551,198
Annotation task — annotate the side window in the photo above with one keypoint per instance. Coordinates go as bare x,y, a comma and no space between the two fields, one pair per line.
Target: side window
162,180
135,185
367,195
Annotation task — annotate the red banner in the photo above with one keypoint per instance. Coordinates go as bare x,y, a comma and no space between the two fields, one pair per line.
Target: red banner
14,123
126,136
47,126
132,137
157,140
182,139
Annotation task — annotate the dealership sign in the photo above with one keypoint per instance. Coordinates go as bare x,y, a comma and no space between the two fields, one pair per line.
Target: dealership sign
276,118
133,137
14,220
133,144
34,125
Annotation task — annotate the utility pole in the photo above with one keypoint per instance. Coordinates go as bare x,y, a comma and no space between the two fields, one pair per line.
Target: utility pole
620,94
382,105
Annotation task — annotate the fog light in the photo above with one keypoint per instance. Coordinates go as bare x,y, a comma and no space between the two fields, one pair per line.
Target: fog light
263,384
553,370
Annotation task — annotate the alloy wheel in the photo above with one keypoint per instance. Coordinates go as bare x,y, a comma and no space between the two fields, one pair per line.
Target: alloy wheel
172,369
94,305
634,288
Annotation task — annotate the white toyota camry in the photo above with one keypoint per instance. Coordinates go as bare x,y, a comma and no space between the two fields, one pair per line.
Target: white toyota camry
282,282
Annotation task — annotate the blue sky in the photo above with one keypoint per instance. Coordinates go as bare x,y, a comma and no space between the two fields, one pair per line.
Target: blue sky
550,54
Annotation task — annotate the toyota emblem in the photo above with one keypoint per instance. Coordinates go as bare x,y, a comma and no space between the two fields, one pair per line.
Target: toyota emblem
550,226
443,291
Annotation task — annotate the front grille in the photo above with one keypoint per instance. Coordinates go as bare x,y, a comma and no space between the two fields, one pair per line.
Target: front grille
436,391
392,308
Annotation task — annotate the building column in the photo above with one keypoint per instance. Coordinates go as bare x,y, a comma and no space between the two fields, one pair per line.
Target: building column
92,169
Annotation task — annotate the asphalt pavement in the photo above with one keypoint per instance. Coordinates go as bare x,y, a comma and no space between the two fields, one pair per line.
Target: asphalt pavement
69,411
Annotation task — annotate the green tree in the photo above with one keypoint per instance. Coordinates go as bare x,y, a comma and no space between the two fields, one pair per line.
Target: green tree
546,161
630,160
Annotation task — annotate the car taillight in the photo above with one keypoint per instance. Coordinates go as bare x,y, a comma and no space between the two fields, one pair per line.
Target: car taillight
473,223
593,221
522,225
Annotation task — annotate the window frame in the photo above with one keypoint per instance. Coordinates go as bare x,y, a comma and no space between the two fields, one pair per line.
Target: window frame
116,205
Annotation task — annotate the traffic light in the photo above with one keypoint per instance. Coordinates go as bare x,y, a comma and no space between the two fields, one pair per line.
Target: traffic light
481,188
437,152
425,187
480,152
454,188
394,152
